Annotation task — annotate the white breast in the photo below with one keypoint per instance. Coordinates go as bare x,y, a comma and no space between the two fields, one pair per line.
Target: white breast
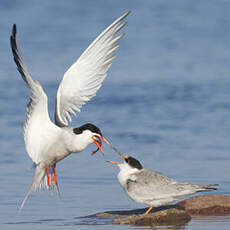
126,173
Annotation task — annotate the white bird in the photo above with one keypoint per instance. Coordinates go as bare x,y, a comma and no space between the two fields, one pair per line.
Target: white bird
48,143
152,188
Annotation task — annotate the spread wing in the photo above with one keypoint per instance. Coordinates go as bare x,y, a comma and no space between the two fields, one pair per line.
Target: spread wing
83,79
37,109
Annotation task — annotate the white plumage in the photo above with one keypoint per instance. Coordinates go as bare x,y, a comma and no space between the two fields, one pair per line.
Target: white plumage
46,142
91,68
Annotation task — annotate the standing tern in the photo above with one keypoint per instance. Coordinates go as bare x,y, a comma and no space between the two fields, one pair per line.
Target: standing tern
48,143
153,188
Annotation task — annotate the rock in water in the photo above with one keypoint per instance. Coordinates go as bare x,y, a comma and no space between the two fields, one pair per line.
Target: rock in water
178,214
166,215
172,216
207,205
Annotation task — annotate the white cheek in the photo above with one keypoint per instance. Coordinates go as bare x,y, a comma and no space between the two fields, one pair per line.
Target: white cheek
126,172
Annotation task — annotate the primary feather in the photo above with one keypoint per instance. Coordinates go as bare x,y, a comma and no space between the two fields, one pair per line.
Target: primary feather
38,126
83,79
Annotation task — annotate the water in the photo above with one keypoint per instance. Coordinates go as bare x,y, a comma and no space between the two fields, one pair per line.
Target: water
166,101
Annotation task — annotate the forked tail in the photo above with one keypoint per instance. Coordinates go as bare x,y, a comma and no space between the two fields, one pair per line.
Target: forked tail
207,187
40,182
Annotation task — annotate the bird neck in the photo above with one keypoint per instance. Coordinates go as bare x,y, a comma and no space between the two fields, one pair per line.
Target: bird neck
126,173
78,142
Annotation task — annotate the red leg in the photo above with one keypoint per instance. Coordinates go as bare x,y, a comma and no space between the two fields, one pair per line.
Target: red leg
55,175
48,176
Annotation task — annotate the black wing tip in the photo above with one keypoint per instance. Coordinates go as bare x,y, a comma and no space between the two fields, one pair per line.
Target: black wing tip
212,187
17,59
13,36
14,31
13,42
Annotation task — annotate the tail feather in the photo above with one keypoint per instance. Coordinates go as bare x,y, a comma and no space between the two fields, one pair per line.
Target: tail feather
40,182
207,187
39,175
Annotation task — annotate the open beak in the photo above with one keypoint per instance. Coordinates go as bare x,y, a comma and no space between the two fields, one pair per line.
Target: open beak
114,162
104,139
119,154
97,141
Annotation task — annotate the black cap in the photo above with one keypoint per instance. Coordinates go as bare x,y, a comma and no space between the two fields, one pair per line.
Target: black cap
133,162
88,126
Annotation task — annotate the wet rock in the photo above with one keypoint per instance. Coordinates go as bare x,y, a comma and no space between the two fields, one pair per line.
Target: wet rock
166,215
172,216
207,205
178,214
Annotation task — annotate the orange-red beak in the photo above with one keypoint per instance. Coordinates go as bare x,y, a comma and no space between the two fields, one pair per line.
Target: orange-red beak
114,162
98,143
104,139
119,154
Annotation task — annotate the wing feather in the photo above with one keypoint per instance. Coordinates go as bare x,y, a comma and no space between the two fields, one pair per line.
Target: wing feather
37,109
84,78
148,185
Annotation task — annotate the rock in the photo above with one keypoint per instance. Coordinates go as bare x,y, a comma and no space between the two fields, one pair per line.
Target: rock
172,216
178,214
166,215
207,205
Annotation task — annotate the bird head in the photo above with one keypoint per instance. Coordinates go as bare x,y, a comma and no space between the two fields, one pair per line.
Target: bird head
128,161
94,134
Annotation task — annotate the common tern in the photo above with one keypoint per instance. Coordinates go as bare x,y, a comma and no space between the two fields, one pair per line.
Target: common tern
48,143
150,187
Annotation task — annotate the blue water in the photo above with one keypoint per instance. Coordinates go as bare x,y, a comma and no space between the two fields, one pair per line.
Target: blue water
166,101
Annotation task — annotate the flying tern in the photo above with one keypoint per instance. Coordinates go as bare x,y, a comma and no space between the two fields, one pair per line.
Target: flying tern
46,142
